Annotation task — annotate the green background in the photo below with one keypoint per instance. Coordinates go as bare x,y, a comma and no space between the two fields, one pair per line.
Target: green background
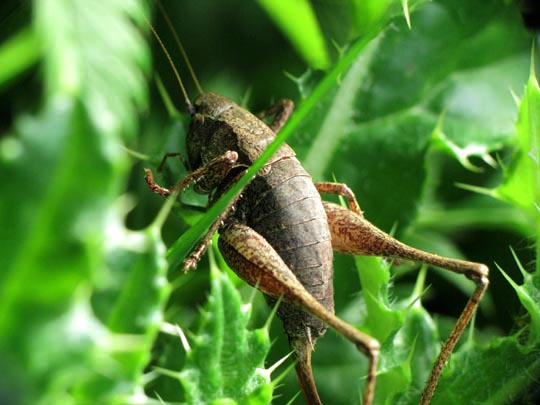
429,111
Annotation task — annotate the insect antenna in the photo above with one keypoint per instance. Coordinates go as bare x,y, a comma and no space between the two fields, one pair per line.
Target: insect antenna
180,46
190,107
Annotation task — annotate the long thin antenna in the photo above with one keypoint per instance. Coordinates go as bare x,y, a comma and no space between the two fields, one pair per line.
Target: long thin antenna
184,92
180,46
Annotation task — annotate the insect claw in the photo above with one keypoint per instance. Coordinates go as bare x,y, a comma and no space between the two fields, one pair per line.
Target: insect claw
189,264
151,182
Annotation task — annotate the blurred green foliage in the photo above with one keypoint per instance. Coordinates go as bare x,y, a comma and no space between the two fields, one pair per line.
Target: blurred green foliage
430,111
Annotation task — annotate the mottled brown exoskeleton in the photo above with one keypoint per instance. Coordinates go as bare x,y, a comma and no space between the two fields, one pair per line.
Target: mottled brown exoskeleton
279,236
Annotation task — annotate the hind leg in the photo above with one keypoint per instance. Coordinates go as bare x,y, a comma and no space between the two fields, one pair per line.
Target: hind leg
257,263
353,234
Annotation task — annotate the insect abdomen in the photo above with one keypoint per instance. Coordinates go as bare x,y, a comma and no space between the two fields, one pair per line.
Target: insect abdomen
286,209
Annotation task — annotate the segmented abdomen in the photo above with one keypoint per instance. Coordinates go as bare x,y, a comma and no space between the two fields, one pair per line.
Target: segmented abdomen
286,209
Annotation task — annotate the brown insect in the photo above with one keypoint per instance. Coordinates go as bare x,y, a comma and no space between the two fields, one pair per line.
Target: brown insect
279,236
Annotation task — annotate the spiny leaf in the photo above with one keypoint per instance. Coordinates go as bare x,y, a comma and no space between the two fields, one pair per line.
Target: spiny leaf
68,331
521,186
365,113
529,295
503,360
226,362
49,274
95,52
513,359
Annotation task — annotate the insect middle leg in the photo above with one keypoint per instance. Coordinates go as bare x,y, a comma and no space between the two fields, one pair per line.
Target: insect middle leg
257,263
281,111
342,190
353,234
170,155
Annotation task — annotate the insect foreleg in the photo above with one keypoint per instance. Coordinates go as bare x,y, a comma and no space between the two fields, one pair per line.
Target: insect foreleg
353,234
207,176
152,185
257,263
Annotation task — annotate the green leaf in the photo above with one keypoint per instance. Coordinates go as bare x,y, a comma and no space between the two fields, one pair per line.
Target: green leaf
518,352
95,53
503,360
61,255
17,54
298,22
43,163
521,186
81,297
382,320
367,13
130,303
529,296
226,361
365,114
